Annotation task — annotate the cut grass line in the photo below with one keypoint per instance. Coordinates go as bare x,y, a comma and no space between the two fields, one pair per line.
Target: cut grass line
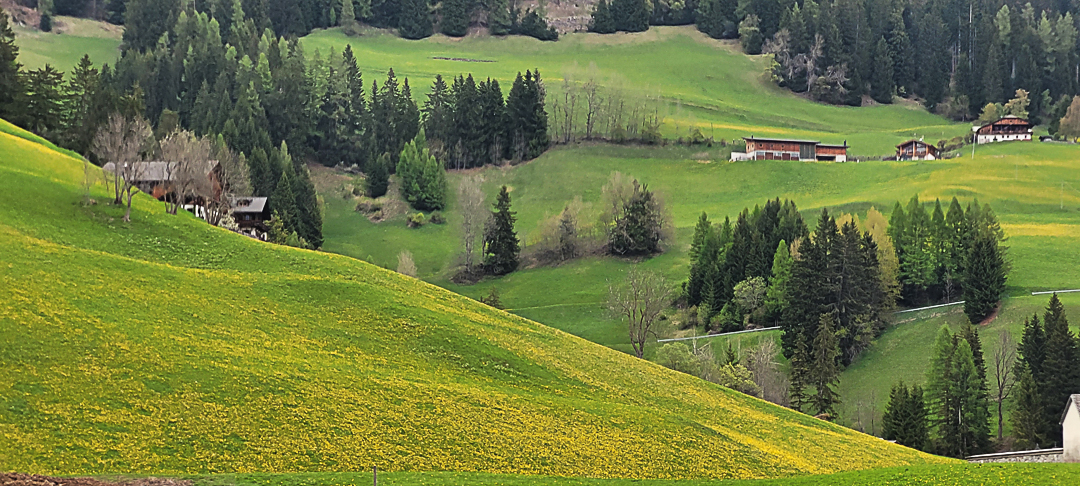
1048,292
717,335
553,306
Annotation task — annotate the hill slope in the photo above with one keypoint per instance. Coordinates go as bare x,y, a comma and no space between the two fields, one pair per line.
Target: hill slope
164,345
706,83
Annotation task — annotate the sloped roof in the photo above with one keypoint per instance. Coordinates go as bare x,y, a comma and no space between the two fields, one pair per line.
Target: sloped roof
248,204
156,170
754,139
1074,402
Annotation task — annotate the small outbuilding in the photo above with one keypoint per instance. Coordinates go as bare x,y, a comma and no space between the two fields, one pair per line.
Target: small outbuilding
1070,429
916,150
1008,129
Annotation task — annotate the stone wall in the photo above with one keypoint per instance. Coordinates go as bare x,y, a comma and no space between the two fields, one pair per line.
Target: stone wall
1044,455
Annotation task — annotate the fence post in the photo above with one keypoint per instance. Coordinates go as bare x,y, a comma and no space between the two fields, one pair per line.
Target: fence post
375,474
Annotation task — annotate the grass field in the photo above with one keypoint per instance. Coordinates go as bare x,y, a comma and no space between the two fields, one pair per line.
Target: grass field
63,48
706,83
940,475
163,346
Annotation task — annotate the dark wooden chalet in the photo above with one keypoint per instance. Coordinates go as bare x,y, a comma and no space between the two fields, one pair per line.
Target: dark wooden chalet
250,212
916,150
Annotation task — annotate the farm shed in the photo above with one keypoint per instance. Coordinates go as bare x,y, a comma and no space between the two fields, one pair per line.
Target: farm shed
787,149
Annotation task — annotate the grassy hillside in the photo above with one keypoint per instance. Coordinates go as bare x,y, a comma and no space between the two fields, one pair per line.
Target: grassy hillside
1032,187
941,475
166,346
73,38
707,83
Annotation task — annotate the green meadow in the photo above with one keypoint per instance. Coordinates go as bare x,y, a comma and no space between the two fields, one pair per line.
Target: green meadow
66,45
705,83
941,475
165,346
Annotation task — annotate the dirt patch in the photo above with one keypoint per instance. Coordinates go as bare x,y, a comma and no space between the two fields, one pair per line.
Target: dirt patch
993,315
460,59
16,479
21,15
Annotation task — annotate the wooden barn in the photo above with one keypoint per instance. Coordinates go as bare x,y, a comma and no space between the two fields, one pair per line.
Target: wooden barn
1008,129
786,149
916,150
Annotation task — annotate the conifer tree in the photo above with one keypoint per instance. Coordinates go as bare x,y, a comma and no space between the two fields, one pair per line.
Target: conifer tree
800,374
602,21
824,367
776,296
984,277
1061,367
881,79
283,202
348,13
501,246
905,417
378,178
9,68
415,19
455,18
438,113
1028,414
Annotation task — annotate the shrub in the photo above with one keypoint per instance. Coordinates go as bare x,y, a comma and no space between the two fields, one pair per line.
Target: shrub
437,218
415,220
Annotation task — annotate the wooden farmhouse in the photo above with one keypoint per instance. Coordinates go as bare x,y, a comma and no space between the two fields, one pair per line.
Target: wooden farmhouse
1008,129
156,177
916,150
1070,428
783,149
250,212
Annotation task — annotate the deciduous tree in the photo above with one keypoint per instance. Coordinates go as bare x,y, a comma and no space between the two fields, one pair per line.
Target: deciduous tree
639,299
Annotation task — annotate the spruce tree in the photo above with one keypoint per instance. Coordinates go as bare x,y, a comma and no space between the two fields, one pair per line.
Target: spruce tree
881,78
602,21
455,18
283,202
825,368
438,113
501,245
378,178
1061,376
984,277
940,391
973,427
1028,412
415,19
800,374
776,299
9,68
905,417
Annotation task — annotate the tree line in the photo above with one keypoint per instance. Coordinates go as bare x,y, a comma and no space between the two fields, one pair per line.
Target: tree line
413,19
830,290
265,96
950,414
955,57
948,254
470,125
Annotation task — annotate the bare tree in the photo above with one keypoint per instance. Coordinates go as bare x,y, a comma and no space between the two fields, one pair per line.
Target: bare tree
471,199
640,299
593,102
1004,375
808,61
120,143
405,264
188,167
765,368
231,180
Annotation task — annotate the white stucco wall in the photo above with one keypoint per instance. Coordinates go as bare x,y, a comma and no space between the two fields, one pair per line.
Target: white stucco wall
1071,429
1004,138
